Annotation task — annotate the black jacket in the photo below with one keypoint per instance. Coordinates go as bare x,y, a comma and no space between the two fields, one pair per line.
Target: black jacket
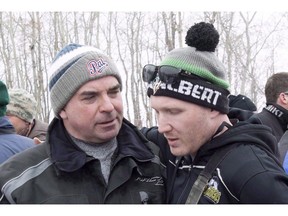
273,116
250,173
57,171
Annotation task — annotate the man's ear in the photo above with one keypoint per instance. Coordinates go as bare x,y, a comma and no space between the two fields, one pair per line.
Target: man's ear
214,113
63,114
282,99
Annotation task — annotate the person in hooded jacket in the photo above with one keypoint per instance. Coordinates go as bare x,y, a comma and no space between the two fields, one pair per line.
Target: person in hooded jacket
91,155
189,93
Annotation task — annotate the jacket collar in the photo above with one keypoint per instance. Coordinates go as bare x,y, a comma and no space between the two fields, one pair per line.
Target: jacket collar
68,157
280,113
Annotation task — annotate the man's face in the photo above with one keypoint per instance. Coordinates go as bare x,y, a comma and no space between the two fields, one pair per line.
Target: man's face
95,112
185,125
21,127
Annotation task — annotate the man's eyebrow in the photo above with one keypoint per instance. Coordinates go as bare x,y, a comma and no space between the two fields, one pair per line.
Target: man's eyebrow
88,93
116,87
113,88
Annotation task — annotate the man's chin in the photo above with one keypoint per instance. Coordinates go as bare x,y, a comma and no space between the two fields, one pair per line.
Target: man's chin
107,136
176,152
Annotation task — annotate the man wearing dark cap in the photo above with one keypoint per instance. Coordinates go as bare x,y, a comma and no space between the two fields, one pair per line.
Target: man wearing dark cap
91,153
10,142
209,160
242,102
241,107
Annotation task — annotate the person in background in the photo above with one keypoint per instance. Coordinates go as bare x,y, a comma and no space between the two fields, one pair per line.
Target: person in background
209,160
21,111
275,114
283,151
91,154
241,107
10,142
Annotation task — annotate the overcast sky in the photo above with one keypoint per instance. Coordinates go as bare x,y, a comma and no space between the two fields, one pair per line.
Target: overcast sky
145,5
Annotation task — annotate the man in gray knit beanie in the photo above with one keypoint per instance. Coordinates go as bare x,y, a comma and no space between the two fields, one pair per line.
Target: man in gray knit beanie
73,66
91,154
210,159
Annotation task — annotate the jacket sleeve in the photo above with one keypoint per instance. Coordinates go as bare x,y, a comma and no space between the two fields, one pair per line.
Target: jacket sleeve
266,188
258,179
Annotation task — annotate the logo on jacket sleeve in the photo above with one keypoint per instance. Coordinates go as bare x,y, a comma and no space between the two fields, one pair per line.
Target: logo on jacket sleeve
156,180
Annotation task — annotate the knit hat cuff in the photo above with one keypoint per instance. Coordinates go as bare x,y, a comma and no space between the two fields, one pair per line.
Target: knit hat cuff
26,117
193,91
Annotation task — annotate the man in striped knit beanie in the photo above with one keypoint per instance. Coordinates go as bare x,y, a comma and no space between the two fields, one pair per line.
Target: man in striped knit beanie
210,159
91,153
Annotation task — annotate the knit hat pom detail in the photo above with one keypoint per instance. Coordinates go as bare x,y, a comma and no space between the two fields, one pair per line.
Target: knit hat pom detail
203,36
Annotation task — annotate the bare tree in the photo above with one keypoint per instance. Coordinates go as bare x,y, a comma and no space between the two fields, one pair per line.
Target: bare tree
170,29
30,41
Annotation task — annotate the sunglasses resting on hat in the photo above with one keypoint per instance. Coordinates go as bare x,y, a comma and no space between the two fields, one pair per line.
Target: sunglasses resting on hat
166,73
174,82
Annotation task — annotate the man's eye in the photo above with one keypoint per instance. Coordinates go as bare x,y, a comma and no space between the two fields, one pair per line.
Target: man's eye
114,93
88,98
173,111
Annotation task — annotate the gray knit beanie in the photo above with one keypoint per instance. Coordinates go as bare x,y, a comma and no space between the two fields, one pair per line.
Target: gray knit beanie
203,80
199,57
74,66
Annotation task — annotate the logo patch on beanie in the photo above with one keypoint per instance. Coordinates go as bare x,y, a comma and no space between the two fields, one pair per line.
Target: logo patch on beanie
96,66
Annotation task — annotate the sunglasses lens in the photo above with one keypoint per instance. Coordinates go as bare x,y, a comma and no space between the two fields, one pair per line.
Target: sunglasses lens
167,74
149,73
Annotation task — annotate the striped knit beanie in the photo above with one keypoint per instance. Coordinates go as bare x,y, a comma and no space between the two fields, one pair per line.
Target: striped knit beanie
4,99
207,85
74,66
22,104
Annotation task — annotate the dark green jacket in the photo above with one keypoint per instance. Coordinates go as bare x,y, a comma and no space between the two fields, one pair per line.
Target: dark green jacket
57,171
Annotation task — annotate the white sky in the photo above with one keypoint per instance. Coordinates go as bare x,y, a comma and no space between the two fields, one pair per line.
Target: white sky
145,5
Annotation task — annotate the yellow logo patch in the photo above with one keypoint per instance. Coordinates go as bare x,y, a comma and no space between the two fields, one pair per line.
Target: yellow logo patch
212,192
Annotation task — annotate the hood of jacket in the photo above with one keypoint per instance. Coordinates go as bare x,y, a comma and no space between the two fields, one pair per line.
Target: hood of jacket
241,133
68,157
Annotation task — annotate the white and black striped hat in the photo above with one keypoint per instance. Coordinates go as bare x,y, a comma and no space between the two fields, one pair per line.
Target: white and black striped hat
74,66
